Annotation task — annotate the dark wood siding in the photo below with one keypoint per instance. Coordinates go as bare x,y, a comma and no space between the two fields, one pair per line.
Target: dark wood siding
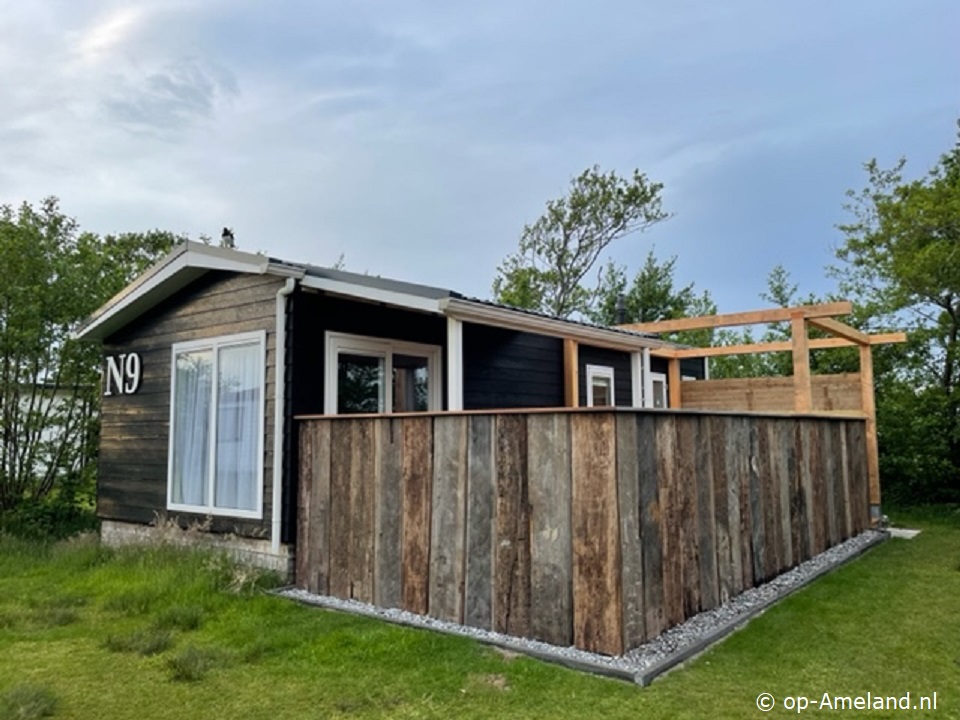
134,436
316,313
310,315
616,359
692,367
510,369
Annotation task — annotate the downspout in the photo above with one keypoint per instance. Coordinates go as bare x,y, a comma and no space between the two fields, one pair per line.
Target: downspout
279,412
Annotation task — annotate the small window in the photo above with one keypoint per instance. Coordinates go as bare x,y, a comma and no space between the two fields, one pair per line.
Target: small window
659,382
216,426
600,387
358,368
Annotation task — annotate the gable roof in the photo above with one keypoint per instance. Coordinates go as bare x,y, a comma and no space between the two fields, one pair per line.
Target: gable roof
191,260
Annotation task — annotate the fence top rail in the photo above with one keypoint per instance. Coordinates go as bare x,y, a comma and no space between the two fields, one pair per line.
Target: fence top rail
815,415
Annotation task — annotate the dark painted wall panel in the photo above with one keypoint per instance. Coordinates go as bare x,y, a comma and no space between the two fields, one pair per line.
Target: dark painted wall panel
619,361
311,315
507,368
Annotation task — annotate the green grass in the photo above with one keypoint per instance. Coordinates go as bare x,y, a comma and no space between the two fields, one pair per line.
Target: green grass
887,623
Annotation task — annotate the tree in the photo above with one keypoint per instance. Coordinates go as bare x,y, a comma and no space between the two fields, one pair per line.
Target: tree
781,291
558,251
901,259
51,278
651,296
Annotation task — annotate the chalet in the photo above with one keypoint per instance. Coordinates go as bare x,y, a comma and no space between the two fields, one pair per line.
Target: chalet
212,353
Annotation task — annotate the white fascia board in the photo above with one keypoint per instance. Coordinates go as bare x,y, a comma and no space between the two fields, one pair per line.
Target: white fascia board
184,264
518,320
363,292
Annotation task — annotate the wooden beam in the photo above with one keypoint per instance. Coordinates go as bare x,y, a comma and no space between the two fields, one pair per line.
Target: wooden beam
571,379
673,383
869,408
802,396
664,352
754,317
786,346
842,330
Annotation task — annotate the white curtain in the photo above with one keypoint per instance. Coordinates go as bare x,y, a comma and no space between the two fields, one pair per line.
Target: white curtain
191,427
238,406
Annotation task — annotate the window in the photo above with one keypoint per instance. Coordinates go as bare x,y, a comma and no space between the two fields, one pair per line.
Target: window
659,382
600,387
216,426
358,367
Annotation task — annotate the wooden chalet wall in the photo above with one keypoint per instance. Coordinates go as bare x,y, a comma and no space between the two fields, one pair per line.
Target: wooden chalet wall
595,528
135,429
829,393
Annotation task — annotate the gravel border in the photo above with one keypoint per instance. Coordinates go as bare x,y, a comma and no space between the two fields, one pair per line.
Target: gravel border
640,665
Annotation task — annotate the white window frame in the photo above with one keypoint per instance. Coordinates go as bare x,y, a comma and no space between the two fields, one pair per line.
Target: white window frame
600,371
337,342
662,377
215,344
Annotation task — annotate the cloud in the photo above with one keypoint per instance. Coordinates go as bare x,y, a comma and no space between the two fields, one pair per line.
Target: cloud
109,32
419,138
167,101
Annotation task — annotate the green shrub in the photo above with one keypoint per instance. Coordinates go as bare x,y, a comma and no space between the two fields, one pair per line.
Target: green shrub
192,663
56,616
27,702
142,642
51,519
131,603
180,617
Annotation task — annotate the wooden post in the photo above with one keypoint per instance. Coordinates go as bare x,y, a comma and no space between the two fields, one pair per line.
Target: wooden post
870,411
571,367
802,397
673,382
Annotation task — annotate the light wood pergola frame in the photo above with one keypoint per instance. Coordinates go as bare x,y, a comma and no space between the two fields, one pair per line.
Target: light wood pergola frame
821,316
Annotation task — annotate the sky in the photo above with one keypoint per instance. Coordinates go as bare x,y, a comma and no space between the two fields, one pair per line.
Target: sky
416,139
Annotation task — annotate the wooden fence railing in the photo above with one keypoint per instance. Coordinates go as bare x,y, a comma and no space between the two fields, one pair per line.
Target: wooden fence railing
599,529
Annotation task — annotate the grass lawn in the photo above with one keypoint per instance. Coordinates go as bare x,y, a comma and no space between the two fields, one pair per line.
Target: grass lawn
90,633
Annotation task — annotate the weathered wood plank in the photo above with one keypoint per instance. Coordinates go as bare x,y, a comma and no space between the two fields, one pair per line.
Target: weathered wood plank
389,492
417,472
650,522
511,612
303,572
844,517
319,517
738,473
858,476
755,495
597,603
671,519
818,482
340,521
551,580
481,519
631,547
448,517
780,434
688,514
807,467
718,429
363,482
795,504
706,512
830,467
770,498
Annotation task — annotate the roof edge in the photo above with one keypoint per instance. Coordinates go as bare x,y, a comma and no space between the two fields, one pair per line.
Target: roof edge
184,263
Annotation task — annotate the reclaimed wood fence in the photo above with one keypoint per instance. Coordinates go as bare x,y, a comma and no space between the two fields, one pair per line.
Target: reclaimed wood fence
599,529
